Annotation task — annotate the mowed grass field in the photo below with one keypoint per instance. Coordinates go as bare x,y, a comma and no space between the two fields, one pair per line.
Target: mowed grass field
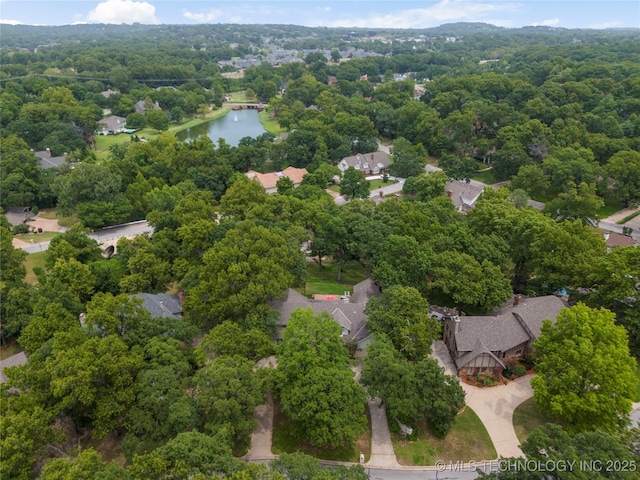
468,440
325,280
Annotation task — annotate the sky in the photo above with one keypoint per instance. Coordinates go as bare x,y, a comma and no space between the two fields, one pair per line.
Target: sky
596,14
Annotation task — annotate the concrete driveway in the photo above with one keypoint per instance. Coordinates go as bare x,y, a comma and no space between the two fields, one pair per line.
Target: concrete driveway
493,405
382,454
261,437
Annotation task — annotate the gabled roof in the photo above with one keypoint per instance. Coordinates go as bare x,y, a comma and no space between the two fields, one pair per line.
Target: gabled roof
365,161
113,122
462,194
142,108
17,215
348,312
161,304
270,180
479,349
12,361
47,161
614,239
504,330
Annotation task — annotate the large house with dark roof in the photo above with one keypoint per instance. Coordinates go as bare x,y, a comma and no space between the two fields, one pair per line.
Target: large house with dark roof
45,160
347,310
482,343
373,163
161,304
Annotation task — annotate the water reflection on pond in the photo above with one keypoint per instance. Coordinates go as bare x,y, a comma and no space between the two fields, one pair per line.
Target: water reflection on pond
232,127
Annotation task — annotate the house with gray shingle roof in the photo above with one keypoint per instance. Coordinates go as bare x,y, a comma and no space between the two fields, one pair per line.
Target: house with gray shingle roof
481,343
111,125
161,304
48,161
12,361
347,310
371,163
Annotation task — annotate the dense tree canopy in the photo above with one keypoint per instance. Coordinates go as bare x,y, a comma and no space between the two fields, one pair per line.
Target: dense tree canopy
585,373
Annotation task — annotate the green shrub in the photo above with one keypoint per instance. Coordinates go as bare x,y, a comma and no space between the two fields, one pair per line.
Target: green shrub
22,228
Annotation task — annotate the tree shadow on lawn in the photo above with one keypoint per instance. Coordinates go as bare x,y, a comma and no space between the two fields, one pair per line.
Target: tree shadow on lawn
286,439
468,440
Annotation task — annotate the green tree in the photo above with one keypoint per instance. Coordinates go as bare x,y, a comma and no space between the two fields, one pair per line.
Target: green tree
188,455
229,338
551,444
586,376
246,269
317,388
412,391
531,179
458,167
93,379
576,203
426,185
392,378
87,465
402,314
408,160
623,168
25,431
354,184
284,185
469,282
157,119
226,392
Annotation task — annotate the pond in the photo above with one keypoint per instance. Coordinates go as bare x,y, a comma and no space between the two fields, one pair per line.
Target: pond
232,127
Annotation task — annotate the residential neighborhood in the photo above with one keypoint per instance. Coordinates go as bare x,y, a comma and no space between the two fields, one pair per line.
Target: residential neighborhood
352,251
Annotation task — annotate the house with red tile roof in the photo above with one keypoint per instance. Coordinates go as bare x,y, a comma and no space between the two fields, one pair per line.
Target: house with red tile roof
269,180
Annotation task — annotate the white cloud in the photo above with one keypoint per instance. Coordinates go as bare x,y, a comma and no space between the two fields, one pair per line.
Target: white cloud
547,23
123,11
601,26
209,16
6,21
443,12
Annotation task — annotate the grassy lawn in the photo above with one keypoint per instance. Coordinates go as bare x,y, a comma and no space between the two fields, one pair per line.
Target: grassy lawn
30,262
628,218
103,142
526,418
52,214
468,440
287,440
37,237
609,209
541,198
335,188
241,97
325,280
10,349
637,397
485,176
270,124
373,184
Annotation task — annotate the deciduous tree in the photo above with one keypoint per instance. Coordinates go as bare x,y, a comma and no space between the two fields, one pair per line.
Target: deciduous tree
586,376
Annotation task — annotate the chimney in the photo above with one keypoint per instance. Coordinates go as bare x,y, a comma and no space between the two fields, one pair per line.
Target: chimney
81,318
516,300
456,322
48,150
449,193
181,297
